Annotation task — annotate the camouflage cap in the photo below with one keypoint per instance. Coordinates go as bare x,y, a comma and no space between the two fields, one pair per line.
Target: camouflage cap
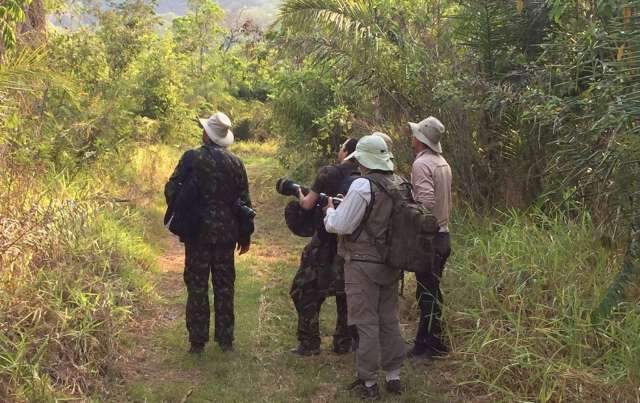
299,220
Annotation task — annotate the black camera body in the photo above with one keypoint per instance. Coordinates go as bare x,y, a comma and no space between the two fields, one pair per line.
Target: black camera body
287,187
243,211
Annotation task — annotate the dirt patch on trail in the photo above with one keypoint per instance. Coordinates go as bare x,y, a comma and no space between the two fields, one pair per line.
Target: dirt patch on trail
143,359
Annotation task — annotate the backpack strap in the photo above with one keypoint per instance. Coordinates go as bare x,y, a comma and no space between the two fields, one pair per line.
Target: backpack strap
187,168
367,212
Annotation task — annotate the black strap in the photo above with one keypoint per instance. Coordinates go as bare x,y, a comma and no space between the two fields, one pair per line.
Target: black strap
367,213
188,167
367,261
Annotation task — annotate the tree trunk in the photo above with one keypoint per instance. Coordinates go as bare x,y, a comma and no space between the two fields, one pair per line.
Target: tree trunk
33,30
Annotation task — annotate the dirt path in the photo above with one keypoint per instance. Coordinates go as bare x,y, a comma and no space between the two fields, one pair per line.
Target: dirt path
261,369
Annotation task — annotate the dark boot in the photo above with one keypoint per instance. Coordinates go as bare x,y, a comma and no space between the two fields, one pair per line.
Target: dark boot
359,388
226,347
422,351
394,387
196,348
305,352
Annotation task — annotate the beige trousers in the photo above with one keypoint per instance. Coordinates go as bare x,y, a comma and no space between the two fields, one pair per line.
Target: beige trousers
372,303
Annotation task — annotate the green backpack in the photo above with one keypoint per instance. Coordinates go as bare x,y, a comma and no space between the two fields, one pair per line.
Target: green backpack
410,233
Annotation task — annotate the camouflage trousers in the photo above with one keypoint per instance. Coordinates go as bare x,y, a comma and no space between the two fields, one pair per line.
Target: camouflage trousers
308,292
202,259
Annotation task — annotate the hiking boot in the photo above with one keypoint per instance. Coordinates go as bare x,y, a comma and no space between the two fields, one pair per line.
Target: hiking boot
226,348
426,353
359,388
419,352
436,353
341,350
394,387
305,352
196,348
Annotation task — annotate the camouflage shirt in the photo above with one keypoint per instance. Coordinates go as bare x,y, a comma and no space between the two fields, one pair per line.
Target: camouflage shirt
333,180
220,179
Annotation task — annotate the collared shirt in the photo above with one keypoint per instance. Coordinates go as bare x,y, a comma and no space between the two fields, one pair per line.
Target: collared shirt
347,217
431,180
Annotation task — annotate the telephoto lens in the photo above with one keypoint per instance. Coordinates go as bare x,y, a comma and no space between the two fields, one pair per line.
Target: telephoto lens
287,187
244,210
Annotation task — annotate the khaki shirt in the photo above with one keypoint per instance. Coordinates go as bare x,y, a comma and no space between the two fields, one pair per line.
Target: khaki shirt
431,180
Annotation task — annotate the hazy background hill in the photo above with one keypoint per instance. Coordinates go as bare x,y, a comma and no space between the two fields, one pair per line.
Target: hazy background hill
262,11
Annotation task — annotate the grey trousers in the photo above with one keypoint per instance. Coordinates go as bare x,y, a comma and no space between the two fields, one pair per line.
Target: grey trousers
372,303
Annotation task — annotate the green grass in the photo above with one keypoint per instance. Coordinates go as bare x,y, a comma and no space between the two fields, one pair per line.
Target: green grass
521,289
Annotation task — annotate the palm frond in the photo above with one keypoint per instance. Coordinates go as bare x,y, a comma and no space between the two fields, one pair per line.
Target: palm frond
343,18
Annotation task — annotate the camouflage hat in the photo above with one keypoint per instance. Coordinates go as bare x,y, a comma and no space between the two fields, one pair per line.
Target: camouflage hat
300,221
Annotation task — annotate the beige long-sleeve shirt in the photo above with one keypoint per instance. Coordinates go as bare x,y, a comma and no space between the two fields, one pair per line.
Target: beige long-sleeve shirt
431,180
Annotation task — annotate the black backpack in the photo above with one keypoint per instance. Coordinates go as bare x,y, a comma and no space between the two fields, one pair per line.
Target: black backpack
182,218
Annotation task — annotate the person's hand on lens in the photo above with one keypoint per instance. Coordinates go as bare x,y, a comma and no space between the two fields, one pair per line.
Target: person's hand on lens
243,248
329,204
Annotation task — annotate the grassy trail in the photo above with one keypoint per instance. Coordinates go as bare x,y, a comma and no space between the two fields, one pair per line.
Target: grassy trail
261,369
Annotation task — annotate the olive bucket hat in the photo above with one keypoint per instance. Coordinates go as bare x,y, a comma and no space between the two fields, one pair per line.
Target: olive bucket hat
429,132
372,153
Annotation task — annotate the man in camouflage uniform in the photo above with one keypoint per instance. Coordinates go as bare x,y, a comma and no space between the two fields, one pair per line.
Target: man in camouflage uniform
321,271
220,180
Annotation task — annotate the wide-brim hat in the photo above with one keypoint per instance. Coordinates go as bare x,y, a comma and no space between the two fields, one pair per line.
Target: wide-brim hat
387,139
429,132
218,129
372,153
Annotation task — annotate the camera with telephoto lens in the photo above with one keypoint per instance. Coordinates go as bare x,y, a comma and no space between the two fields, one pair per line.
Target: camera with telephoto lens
287,187
243,211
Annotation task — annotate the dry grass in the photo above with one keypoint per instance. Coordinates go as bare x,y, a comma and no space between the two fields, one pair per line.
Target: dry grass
72,271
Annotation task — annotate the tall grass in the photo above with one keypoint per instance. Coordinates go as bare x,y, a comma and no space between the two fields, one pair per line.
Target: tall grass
74,268
520,291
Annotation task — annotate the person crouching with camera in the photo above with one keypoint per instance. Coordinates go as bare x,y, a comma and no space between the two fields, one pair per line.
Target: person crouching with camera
320,274
371,286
